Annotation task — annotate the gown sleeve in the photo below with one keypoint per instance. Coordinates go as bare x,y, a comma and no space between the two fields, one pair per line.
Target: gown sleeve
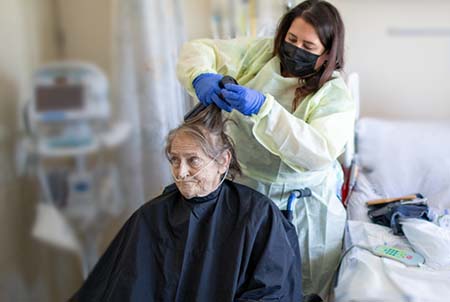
275,269
240,58
315,142
310,144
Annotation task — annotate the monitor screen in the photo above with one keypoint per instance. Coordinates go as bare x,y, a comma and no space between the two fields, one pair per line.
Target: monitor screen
59,98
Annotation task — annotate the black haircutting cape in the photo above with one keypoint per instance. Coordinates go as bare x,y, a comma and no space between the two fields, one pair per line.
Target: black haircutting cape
232,245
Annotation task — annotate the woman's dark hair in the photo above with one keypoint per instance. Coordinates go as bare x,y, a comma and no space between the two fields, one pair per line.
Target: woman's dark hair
208,129
328,24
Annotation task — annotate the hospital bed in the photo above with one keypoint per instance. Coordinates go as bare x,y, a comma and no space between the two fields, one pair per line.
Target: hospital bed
395,158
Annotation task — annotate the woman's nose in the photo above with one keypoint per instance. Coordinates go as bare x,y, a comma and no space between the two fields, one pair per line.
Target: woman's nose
298,44
183,171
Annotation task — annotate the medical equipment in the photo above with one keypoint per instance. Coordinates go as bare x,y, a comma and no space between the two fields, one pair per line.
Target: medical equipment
68,122
65,92
406,257
295,194
68,100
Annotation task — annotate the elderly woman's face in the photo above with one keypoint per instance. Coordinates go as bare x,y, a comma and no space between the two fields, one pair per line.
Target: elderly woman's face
196,174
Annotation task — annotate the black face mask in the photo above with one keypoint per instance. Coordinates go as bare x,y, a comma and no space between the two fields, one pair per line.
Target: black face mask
297,61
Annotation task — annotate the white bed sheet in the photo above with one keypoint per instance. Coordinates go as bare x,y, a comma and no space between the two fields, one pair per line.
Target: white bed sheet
366,277
396,159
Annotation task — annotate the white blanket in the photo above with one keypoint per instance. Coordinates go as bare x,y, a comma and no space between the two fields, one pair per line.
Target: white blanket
396,159
366,277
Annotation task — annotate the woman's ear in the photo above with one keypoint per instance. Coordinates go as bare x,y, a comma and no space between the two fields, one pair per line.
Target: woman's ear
224,161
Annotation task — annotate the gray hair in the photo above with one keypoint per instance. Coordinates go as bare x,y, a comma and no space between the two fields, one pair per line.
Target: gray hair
208,129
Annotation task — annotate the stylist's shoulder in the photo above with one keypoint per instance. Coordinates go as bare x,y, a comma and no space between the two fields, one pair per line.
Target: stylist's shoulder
239,45
336,93
224,56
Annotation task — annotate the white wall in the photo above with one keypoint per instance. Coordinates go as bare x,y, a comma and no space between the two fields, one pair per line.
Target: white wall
197,18
14,72
401,49
86,28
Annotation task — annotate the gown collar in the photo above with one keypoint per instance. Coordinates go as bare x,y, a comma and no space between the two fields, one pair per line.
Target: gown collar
213,196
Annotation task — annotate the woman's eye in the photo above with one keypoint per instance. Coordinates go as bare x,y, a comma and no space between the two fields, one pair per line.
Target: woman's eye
308,47
195,161
174,161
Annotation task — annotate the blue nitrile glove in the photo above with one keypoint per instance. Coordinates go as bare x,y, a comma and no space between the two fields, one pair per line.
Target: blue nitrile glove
206,86
218,100
245,100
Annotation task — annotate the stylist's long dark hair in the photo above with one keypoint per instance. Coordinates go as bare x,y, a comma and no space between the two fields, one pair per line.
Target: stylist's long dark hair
328,24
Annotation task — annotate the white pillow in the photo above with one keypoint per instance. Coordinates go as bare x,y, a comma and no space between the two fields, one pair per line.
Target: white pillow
405,157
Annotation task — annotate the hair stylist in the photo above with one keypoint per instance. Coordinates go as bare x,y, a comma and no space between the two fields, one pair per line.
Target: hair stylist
294,115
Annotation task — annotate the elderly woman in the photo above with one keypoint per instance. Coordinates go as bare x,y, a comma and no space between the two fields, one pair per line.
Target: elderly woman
205,238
